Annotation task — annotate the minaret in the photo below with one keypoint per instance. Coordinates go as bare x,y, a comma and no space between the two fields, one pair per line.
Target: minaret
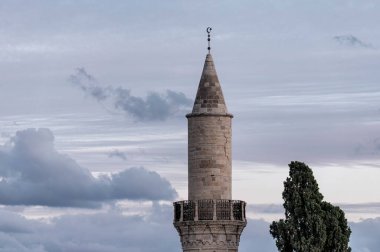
210,220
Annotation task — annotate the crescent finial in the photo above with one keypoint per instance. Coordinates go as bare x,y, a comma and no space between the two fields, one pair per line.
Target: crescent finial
208,30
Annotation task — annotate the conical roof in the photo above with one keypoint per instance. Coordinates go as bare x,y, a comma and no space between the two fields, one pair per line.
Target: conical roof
209,99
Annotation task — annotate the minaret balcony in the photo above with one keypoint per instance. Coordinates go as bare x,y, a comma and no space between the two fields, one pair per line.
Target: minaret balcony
209,210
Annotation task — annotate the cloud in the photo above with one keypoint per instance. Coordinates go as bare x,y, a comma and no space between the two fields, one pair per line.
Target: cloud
154,107
365,235
113,231
89,85
351,41
32,172
373,207
256,237
369,147
118,154
101,232
265,208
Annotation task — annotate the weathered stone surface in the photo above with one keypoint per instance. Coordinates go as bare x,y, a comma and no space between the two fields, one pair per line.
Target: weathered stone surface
209,98
206,222
215,236
209,157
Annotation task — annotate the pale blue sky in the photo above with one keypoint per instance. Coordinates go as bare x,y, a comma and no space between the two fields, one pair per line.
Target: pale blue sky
301,78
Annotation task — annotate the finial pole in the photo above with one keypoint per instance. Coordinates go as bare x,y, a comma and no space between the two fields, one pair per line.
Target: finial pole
208,30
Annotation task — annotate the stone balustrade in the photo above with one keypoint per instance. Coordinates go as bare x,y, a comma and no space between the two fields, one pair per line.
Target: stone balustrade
209,210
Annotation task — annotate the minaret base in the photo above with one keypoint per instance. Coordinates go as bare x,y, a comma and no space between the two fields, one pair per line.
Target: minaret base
210,236
210,225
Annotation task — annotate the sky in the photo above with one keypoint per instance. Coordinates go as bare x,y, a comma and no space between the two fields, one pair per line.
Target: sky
93,97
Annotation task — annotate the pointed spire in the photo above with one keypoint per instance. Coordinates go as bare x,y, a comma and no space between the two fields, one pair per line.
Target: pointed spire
209,99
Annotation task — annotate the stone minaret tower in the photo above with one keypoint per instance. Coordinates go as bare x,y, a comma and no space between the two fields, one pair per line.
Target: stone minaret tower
210,220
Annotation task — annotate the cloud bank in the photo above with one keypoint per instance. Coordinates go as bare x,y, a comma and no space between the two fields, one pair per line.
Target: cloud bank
101,232
373,207
115,232
33,172
153,107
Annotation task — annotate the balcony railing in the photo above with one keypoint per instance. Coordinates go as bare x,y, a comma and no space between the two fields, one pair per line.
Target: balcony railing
194,210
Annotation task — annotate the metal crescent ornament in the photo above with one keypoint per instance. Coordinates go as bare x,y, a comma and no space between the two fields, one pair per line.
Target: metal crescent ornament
208,30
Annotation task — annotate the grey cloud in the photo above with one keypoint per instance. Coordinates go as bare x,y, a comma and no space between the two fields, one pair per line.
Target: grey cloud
118,154
140,184
101,232
364,238
365,235
256,237
282,131
154,107
115,232
373,207
33,173
88,84
5,134
266,208
351,41
368,147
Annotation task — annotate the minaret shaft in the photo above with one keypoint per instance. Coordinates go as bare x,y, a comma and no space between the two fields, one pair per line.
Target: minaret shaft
209,157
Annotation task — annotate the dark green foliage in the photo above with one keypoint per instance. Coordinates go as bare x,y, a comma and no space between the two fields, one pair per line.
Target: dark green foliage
310,224
336,228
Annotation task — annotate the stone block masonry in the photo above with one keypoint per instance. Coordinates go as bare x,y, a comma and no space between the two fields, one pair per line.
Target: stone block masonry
209,157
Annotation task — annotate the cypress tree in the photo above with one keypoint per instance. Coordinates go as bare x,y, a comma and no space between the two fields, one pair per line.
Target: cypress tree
310,224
